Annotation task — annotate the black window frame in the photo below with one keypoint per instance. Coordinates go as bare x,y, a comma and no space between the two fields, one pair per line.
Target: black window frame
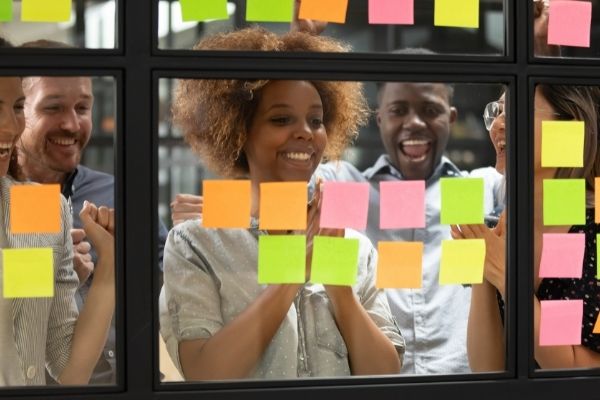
137,64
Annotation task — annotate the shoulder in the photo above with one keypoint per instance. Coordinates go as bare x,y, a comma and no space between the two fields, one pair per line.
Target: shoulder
339,171
87,174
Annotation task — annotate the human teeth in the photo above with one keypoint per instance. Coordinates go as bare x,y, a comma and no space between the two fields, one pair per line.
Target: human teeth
5,145
501,144
415,142
298,156
63,142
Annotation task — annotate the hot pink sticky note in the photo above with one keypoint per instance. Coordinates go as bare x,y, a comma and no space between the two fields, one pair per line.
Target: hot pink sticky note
569,23
560,322
345,205
402,204
562,255
400,12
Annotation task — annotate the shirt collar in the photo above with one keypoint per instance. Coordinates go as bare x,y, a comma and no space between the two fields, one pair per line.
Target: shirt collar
384,165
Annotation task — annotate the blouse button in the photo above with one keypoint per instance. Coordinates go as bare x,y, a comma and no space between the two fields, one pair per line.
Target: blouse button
31,372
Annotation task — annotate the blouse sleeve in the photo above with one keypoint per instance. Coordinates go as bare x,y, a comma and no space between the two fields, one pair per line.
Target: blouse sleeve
63,312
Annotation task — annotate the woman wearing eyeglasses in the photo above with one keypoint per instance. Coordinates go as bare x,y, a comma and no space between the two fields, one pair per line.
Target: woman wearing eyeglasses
485,335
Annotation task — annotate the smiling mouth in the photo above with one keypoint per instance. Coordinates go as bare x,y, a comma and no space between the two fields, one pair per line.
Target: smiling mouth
416,150
5,148
63,141
297,156
501,145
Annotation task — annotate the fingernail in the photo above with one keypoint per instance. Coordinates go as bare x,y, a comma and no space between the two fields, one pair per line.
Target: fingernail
85,203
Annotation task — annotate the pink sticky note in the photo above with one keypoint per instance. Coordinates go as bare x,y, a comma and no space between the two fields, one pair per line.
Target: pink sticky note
402,204
400,12
560,322
345,205
569,23
562,255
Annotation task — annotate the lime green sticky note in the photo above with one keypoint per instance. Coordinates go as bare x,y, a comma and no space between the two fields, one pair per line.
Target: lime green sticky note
462,201
334,261
270,10
202,10
597,252
564,201
27,273
456,13
562,143
462,261
281,259
46,10
6,10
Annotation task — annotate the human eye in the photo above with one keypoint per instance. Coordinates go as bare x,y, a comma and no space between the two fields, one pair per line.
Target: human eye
432,110
19,107
399,110
52,108
83,108
316,122
281,120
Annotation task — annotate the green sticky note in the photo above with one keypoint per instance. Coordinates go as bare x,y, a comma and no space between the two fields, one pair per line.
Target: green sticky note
564,201
456,13
462,201
6,10
281,259
46,10
202,10
597,252
334,261
462,261
270,10
562,143
27,273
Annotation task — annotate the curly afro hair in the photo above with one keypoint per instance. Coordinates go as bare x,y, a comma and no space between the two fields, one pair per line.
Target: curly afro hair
215,115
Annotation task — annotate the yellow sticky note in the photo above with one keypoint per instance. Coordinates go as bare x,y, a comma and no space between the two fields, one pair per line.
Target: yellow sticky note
283,205
399,265
226,204
562,143
46,10
462,261
456,13
597,200
324,10
27,273
35,208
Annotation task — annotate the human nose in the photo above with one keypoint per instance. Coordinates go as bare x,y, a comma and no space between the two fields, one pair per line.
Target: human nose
70,121
304,131
413,120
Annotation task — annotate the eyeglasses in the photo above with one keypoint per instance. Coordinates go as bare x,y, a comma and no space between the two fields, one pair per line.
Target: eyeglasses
491,112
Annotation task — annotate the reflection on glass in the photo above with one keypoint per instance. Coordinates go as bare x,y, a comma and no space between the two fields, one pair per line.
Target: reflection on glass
92,25
63,335
488,39
416,127
565,296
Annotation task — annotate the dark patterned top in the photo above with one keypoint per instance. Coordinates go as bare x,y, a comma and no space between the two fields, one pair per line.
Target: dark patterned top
586,288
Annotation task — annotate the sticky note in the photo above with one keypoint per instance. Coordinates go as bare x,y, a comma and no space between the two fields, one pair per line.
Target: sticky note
597,325
270,10
462,261
345,205
203,10
562,143
226,204
283,205
564,201
324,10
6,10
45,10
461,201
399,265
569,23
28,273
562,255
560,322
281,259
35,209
402,204
398,12
456,13
597,252
334,261
597,200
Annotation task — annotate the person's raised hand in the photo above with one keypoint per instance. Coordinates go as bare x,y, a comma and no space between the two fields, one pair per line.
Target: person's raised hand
305,25
99,226
541,48
82,259
184,207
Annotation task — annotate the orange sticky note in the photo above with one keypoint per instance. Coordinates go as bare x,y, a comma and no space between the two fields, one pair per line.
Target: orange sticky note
35,208
226,204
324,10
399,265
283,205
597,325
597,200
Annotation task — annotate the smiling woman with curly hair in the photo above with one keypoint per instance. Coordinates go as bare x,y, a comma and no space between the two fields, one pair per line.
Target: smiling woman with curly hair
218,322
